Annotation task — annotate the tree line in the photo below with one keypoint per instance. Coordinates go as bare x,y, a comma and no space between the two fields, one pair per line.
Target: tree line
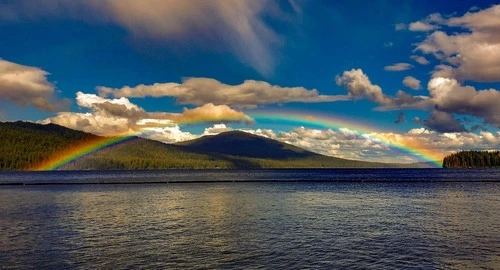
472,159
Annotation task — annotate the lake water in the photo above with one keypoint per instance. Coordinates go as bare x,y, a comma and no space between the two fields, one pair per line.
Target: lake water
346,219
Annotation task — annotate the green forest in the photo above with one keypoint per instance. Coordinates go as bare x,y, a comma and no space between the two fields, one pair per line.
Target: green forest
472,159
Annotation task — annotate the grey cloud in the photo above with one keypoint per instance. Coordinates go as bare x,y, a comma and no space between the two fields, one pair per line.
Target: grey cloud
26,85
443,122
120,110
200,91
401,118
449,96
445,96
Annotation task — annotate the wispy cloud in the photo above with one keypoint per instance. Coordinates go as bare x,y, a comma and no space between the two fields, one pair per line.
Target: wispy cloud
237,26
398,67
412,83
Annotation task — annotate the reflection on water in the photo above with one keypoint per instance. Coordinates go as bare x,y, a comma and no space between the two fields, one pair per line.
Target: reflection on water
249,225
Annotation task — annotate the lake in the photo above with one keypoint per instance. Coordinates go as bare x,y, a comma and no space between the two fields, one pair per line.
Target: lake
342,218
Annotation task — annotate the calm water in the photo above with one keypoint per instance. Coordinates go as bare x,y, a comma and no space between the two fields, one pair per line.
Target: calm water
380,225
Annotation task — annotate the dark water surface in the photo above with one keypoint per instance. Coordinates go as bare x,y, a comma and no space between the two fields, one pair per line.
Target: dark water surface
431,223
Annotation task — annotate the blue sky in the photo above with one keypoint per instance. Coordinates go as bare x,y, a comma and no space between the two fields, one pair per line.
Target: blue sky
339,59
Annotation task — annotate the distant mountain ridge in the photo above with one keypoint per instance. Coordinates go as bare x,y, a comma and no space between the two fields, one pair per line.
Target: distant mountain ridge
24,144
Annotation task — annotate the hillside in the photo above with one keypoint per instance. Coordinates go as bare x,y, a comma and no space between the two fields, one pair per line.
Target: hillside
24,145
472,159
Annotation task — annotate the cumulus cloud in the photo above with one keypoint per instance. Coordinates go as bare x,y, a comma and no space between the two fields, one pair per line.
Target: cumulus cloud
420,59
238,26
26,85
449,96
121,117
200,91
346,143
398,67
216,129
446,97
168,134
412,83
358,85
472,51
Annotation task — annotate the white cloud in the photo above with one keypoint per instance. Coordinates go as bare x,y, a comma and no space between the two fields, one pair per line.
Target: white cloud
398,67
421,27
121,117
412,83
430,23
358,85
200,91
238,26
169,134
26,85
472,51
346,143
216,129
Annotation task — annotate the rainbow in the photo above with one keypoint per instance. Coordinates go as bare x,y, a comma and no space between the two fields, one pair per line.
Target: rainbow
79,150
419,152
412,148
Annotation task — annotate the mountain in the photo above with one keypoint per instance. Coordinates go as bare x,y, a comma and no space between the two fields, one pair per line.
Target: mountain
243,144
23,145
262,152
